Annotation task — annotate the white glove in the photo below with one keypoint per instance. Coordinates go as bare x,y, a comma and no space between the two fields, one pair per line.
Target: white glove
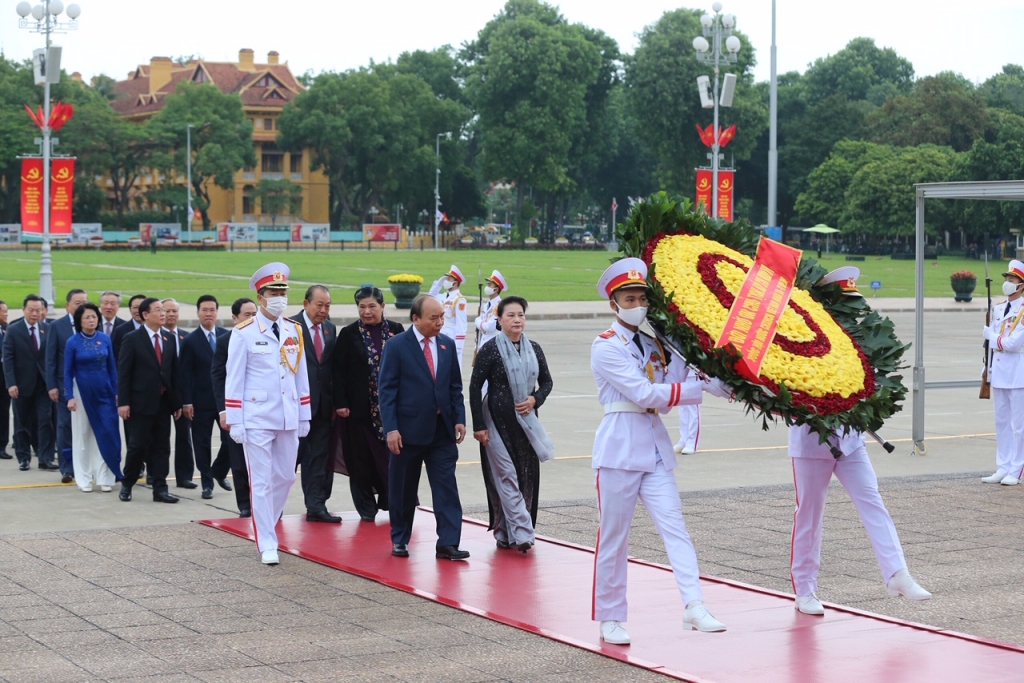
717,387
303,428
238,434
989,334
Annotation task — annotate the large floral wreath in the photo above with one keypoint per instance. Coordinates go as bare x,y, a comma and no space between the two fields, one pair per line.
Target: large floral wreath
831,365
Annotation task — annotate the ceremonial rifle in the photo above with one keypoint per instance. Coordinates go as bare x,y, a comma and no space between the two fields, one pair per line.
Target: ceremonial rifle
479,309
986,388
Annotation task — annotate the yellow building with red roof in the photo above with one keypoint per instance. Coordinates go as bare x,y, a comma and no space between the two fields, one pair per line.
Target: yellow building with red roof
264,89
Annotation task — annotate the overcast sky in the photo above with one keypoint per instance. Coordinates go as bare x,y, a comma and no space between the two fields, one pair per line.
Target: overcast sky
116,35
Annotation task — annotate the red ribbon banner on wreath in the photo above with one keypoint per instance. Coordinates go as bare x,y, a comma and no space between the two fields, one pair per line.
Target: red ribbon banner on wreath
754,315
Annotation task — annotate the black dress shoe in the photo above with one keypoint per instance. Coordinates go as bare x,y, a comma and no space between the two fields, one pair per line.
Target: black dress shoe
164,497
524,547
187,484
399,550
451,552
125,494
67,479
23,466
502,545
225,484
149,480
322,516
48,466
245,512
368,518
4,455
207,494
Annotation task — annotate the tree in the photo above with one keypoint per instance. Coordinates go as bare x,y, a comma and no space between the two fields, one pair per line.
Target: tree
16,133
860,71
277,197
1001,159
824,200
944,110
661,78
881,198
1005,90
221,139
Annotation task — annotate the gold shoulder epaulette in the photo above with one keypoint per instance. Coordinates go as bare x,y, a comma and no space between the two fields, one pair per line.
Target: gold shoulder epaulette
247,321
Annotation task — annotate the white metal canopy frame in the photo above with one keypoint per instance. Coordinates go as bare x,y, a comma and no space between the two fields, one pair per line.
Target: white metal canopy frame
998,190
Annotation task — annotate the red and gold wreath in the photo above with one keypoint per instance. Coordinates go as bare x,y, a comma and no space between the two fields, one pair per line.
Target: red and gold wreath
818,361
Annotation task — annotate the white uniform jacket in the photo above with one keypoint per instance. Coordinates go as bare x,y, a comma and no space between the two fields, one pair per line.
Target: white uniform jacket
456,319
1006,371
487,321
803,443
266,386
634,440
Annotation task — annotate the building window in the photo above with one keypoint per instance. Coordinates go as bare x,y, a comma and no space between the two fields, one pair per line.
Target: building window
266,82
296,162
200,76
268,124
247,200
273,159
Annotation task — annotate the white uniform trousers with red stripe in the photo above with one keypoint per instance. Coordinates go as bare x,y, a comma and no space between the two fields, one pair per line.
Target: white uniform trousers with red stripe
689,427
1009,408
459,344
617,491
811,477
270,456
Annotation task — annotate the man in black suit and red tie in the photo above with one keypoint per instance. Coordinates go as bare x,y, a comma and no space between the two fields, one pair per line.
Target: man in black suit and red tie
424,417
319,337
148,386
24,361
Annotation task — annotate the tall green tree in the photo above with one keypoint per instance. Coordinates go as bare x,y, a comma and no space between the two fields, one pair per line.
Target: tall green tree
860,71
825,199
221,139
1000,159
661,87
16,133
277,197
944,110
1005,90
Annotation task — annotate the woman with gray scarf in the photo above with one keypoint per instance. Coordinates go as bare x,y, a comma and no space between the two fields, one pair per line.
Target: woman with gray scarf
513,372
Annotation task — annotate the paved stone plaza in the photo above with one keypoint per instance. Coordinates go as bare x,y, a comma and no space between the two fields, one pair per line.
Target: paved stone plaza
95,589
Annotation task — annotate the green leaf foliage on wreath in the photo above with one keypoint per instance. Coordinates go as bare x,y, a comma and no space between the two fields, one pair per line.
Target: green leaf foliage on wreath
874,333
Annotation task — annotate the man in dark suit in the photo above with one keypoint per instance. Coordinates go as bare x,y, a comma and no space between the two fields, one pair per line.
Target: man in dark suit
24,361
110,304
200,409
135,323
184,460
356,367
241,310
148,385
422,411
59,332
319,337
5,398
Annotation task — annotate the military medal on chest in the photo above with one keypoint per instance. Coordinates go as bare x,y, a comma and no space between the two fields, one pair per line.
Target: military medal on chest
291,353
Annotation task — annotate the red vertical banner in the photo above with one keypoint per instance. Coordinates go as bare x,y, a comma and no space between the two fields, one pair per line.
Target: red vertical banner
703,195
32,196
62,186
145,232
725,194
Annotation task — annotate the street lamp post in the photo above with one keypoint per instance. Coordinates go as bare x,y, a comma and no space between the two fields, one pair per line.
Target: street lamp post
44,21
188,178
717,27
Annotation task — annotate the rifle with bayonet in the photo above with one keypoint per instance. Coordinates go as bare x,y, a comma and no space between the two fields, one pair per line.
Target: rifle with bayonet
986,388
479,309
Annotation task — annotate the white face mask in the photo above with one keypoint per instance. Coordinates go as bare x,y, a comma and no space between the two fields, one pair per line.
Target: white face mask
490,291
276,304
1010,288
633,316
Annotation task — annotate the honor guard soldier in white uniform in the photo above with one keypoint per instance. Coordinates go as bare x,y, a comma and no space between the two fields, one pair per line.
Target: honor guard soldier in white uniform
1005,336
633,452
487,321
266,397
455,315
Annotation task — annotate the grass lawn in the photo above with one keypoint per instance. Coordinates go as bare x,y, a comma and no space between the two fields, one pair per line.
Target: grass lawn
539,276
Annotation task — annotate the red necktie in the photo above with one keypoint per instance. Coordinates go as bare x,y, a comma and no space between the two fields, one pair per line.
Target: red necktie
318,342
159,352
429,356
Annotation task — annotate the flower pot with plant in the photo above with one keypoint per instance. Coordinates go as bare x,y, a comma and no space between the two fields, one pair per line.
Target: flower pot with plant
963,282
405,287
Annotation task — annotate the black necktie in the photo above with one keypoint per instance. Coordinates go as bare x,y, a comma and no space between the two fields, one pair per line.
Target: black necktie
1007,311
639,344
277,332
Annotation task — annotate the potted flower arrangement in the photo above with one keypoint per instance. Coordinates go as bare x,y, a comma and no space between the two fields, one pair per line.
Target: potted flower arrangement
404,287
963,282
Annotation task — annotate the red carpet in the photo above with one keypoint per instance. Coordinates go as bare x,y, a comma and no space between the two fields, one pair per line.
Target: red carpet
548,592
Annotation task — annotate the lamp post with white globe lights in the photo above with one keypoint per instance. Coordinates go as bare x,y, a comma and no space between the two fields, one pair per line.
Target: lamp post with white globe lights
716,27
43,19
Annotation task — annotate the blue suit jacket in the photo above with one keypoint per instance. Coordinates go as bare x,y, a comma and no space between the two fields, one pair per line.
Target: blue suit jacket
196,363
410,398
60,331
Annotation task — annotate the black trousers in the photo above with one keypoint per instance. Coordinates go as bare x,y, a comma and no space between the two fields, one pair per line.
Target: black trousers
34,414
404,481
184,464
239,471
317,471
203,424
5,416
149,442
